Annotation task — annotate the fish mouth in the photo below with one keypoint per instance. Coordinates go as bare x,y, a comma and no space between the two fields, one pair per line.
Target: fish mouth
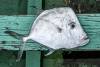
85,41
85,38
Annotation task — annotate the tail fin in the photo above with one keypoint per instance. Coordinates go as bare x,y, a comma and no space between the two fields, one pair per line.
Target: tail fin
20,53
21,49
14,34
17,36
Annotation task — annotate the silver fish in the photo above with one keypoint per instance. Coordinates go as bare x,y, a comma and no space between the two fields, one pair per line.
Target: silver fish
56,28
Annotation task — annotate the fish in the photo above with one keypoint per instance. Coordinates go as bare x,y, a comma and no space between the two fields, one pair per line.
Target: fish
56,28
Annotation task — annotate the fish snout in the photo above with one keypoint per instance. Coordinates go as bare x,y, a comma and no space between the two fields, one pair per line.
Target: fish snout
84,38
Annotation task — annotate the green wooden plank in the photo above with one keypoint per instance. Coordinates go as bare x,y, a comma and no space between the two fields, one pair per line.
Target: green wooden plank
54,4
53,60
34,7
22,25
90,23
22,7
13,7
12,45
33,58
16,22
8,7
8,59
90,62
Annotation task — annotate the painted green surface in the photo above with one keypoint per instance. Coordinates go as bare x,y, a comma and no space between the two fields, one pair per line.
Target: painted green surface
33,58
53,3
82,62
20,7
91,24
34,7
22,25
19,24
53,60
8,58
13,7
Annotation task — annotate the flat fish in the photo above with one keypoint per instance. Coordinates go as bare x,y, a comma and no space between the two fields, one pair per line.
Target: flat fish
56,28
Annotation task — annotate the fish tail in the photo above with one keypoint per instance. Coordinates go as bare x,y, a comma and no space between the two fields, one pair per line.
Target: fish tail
22,43
14,34
21,49
20,53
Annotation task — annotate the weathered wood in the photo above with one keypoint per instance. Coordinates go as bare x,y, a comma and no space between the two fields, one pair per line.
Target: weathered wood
22,25
54,3
8,58
8,7
34,7
82,62
91,24
13,7
33,58
53,60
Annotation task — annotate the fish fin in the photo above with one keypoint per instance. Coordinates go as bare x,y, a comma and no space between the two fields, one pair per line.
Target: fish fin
20,53
50,52
21,48
14,34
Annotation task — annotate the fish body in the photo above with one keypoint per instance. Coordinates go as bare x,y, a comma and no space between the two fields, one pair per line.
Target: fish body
56,28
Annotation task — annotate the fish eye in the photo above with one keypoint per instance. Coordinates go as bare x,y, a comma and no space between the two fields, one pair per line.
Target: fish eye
72,25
